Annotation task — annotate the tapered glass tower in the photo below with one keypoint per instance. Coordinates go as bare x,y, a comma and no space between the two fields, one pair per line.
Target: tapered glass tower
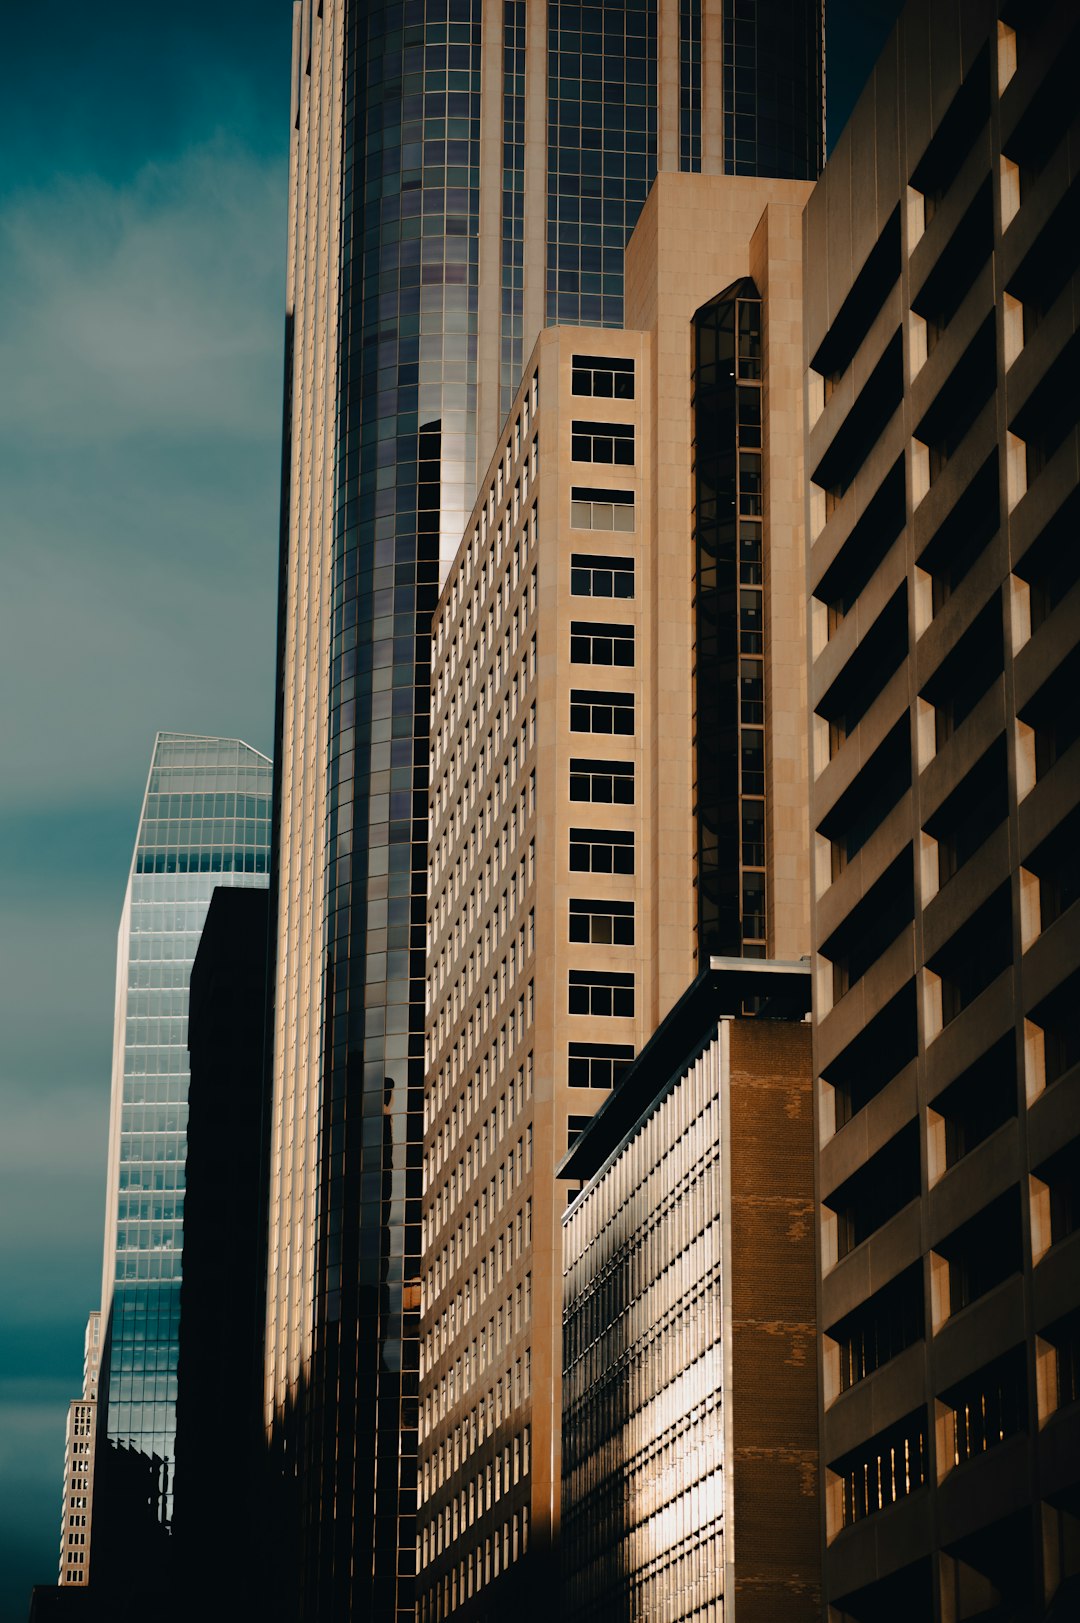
462,172
205,822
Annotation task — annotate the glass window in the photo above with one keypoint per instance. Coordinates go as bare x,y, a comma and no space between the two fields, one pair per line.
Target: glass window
601,850
603,442
603,993
597,1065
593,509
604,376
603,923
604,783
596,711
595,576
600,643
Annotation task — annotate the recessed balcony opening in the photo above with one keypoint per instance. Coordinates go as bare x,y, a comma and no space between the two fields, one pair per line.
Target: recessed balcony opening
882,1048
875,1193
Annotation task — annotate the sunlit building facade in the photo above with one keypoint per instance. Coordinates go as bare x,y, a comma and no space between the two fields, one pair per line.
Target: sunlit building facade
462,171
205,822
942,339
689,1445
597,591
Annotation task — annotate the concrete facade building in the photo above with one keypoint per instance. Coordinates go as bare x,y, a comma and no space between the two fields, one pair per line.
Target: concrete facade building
689,1439
566,843
461,172
941,349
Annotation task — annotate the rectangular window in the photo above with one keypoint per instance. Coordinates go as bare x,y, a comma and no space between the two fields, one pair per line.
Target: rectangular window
575,1126
596,642
601,992
597,1065
595,576
603,923
601,850
601,509
607,377
612,443
604,783
594,711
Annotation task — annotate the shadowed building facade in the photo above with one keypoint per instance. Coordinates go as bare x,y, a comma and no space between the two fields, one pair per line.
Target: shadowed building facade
941,333
205,822
435,225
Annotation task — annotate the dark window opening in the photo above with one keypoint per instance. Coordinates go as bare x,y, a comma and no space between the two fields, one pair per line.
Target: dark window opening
604,993
872,925
1050,261
601,850
862,427
984,1251
597,1065
1056,864
964,533
864,806
1058,1018
598,642
603,923
979,1101
1051,410
879,1189
1064,1337
958,265
575,1126
975,955
1051,565
1055,715
603,442
859,310
977,806
605,376
988,1406
884,1469
960,399
1061,1175
968,670
866,547
881,1050
879,1328
592,575
965,118
602,783
600,712
878,656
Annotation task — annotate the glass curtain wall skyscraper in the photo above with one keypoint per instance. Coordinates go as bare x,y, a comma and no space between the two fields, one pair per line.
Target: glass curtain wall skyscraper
462,172
205,822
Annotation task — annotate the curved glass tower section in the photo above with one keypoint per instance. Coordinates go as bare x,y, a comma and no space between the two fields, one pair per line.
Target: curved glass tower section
205,821
461,171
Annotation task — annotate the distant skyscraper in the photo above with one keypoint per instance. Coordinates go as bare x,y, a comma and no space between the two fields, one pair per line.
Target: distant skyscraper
79,1446
204,822
433,230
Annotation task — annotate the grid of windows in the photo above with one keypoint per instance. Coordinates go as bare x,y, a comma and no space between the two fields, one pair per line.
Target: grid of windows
592,509
603,783
604,376
601,992
643,1483
604,923
597,1065
602,442
513,200
772,88
601,643
729,689
406,457
601,712
592,575
601,85
601,850
197,792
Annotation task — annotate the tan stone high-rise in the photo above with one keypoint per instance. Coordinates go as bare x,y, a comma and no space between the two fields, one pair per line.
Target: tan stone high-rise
618,578
942,251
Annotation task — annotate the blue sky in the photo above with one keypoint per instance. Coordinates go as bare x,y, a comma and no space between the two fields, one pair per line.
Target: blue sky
142,217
